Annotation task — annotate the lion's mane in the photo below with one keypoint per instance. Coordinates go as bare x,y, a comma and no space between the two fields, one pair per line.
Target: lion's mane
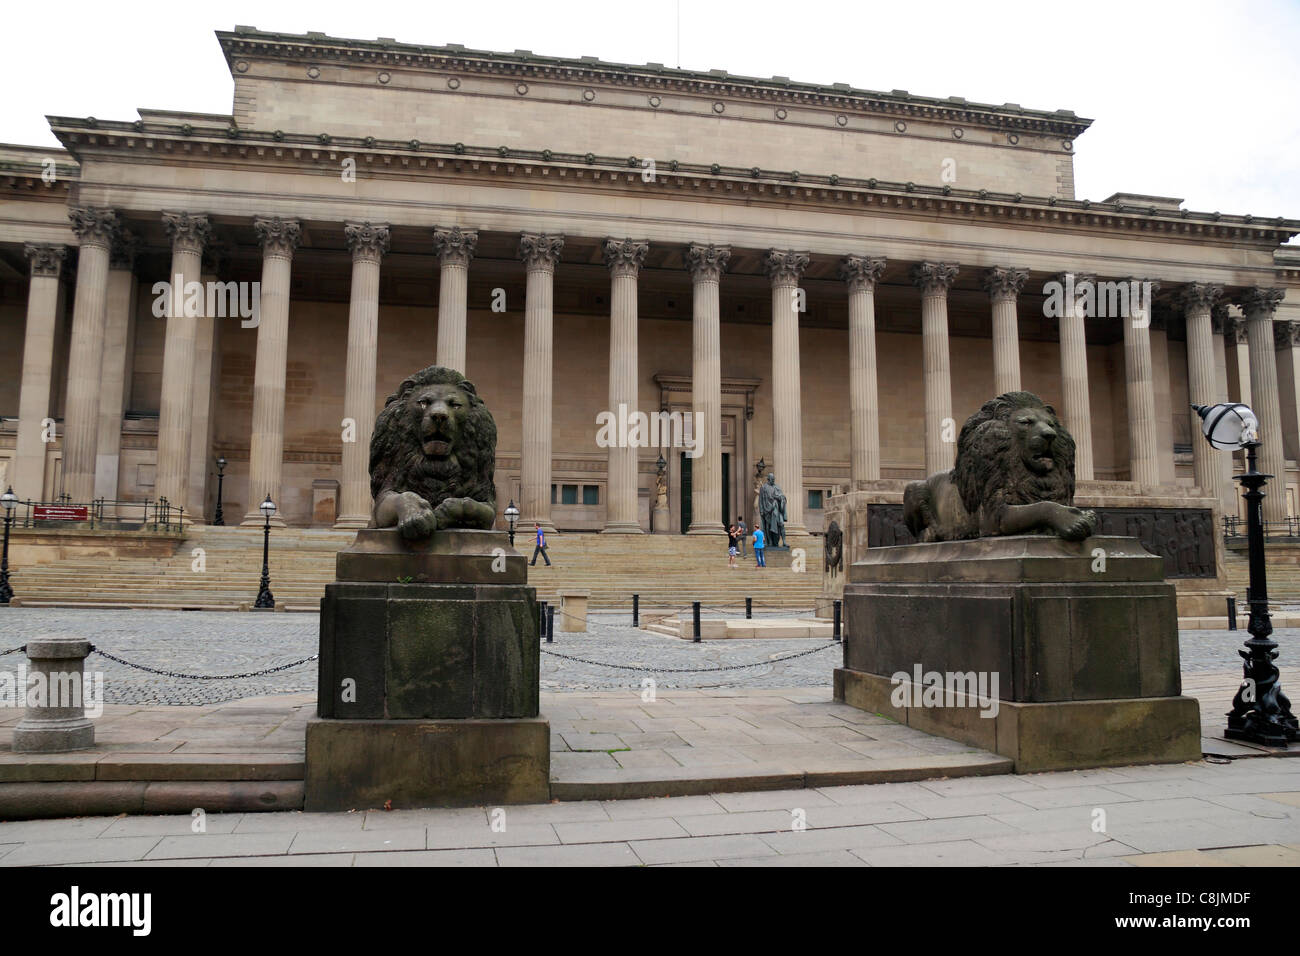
397,459
990,472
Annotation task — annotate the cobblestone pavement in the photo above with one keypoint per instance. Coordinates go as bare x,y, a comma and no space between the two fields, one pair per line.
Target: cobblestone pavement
1242,813
200,642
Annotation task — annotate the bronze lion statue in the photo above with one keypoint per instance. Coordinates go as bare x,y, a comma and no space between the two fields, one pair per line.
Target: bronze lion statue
432,456
1014,475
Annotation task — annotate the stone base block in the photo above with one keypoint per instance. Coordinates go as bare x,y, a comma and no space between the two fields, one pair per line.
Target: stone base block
365,764
40,735
1059,735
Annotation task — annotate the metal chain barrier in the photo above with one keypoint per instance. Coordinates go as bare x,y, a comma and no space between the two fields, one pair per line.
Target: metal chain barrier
165,673
690,670
14,650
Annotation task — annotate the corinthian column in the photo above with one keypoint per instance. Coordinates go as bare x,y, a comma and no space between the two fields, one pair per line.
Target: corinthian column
279,238
706,263
368,243
1074,372
1238,357
455,247
188,234
541,254
785,270
861,273
1003,287
1259,306
1221,323
44,306
1143,441
934,279
624,258
1197,299
95,229
115,380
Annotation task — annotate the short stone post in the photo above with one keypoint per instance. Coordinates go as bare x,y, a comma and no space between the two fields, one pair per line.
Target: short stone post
55,720
573,609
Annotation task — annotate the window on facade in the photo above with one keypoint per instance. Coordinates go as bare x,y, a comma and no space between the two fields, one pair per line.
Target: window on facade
591,494
552,494
568,494
814,500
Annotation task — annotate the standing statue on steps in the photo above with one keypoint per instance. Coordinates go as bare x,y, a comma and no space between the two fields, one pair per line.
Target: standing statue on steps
771,509
432,456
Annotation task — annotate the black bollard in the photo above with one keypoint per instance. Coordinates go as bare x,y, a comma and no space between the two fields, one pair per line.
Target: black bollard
695,621
1232,612
749,608
541,619
550,624
636,610
835,632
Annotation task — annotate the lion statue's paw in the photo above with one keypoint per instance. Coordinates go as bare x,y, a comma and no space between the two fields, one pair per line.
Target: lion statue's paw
1078,525
416,518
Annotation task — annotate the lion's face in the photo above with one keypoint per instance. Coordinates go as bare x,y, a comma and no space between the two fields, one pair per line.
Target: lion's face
1035,431
437,408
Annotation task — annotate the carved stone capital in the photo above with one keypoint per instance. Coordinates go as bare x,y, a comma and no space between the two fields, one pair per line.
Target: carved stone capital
934,278
625,256
1078,279
1198,297
279,237
122,253
46,258
707,262
862,272
539,251
785,267
1256,302
455,246
366,241
94,227
188,233
1220,321
1002,283
1236,332
1286,335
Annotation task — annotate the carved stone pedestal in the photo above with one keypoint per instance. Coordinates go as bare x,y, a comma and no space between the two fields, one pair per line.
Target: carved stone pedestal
428,690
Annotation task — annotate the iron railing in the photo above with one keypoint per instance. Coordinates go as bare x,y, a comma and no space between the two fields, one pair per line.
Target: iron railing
1234,527
105,513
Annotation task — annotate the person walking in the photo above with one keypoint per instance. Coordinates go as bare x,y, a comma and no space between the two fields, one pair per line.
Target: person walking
758,548
540,549
743,531
733,536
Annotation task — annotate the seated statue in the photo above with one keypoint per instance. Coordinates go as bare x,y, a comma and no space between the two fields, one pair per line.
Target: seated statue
432,457
1014,475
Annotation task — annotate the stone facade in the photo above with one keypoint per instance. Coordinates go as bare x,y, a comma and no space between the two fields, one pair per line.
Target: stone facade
824,278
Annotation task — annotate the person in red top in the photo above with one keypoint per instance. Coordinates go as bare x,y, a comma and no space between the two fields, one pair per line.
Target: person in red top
540,549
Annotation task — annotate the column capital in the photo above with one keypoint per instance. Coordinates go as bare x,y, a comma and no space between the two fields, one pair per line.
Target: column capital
1236,331
1155,283
122,253
540,251
862,272
625,256
188,233
1004,283
1075,279
785,267
92,226
1220,321
366,241
706,262
934,278
46,258
455,246
1286,335
1257,301
279,237
1198,296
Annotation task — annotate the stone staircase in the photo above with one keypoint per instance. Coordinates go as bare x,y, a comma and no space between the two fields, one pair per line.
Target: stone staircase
1283,574
666,570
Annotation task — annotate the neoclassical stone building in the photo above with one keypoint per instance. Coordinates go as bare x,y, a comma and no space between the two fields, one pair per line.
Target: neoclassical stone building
827,278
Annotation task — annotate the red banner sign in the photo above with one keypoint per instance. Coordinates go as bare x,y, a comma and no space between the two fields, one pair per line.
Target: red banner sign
61,513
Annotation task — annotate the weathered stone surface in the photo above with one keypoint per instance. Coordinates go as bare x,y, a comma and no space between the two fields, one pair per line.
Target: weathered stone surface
364,764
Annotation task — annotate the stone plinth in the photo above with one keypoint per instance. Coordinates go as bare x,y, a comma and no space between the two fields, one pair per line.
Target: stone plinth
428,687
573,611
55,720
1084,649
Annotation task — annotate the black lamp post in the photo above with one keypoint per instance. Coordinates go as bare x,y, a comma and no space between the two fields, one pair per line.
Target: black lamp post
265,600
1260,713
219,518
8,499
512,515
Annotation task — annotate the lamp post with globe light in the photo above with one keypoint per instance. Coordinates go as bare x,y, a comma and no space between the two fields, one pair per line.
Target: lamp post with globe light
512,515
8,500
219,518
265,600
1260,713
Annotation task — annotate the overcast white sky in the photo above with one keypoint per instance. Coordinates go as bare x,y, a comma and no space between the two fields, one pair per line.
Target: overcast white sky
1191,99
